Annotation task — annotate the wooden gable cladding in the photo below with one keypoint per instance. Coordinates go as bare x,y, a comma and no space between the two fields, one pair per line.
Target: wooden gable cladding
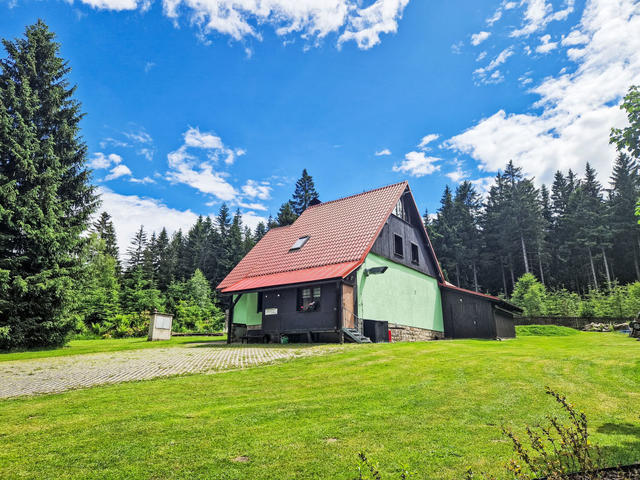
411,230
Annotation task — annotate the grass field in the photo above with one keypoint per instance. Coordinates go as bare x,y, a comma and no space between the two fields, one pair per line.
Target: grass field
78,347
436,407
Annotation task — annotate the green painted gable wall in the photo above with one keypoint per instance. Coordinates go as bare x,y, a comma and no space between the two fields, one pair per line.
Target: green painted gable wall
246,310
400,295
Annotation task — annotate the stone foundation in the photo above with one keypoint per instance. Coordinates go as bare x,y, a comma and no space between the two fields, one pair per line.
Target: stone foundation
403,333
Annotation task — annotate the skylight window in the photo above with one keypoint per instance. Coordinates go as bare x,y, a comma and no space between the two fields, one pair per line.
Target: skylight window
299,243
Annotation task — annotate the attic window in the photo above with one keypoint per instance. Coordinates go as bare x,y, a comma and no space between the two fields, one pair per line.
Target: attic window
400,211
398,247
299,243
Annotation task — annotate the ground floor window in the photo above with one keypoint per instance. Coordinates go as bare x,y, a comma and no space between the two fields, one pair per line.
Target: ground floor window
309,299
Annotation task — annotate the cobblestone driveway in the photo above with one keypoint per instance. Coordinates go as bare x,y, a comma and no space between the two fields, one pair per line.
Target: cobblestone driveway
57,374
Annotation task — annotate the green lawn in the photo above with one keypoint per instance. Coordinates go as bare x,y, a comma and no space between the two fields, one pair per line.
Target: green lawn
77,347
436,407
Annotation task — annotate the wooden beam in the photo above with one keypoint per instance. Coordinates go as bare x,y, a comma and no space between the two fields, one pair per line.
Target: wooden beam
230,321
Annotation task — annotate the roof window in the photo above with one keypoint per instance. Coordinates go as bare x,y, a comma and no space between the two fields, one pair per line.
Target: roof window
299,243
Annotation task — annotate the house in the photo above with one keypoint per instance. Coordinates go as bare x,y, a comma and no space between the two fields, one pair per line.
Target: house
358,268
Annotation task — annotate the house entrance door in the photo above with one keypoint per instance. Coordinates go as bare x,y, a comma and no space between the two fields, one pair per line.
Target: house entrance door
348,315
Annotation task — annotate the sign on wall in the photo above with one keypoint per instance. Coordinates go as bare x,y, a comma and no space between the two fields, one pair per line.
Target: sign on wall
270,311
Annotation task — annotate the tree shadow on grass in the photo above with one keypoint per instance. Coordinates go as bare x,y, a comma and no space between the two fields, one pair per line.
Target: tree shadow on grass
627,450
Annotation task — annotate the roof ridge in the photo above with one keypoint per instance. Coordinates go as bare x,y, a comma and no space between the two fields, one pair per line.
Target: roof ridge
357,194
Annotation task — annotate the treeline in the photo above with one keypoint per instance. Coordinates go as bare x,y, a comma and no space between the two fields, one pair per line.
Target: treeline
175,274
619,301
575,234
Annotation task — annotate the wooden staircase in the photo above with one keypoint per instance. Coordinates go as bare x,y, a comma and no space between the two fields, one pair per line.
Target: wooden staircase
354,335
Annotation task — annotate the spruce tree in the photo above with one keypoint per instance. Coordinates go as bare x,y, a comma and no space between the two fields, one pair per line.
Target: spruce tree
135,252
46,200
304,193
625,184
103,226
261,231
286,215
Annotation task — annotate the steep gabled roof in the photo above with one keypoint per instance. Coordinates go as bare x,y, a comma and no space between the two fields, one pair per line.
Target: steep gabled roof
341,233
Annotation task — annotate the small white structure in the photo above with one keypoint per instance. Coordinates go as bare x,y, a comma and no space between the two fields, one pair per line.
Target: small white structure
160,326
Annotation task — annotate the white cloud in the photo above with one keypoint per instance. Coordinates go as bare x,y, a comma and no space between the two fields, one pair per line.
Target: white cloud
131,211
495,17
417,164
426,140
146,153
538,14
456,48
575,112
143,180
117,5
383,152
251,219
478,38
575,37
200,176
481,56
253,205
546,45
312,20
458,174
101,161
366,24
148,66
253,189
483,74
117,172
139,136
209,141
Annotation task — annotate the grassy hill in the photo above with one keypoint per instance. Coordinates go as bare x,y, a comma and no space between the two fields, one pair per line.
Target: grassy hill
435,407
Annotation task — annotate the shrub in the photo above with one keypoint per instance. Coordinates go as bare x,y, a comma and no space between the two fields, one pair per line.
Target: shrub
529,294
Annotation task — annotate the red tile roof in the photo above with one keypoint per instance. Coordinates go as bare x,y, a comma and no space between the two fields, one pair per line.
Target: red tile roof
341,233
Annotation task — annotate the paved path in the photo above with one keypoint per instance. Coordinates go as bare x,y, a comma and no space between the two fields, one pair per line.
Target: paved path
57,374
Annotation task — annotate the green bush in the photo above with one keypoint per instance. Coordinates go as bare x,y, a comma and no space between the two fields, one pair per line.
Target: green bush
530,295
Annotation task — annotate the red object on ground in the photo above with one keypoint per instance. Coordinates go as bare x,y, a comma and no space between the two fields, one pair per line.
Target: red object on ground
390,336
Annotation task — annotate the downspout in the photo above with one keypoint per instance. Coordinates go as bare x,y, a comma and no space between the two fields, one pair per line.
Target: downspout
340,313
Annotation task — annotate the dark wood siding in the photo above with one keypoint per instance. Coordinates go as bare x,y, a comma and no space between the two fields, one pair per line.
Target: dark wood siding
289,319
467,315
505,324
384,244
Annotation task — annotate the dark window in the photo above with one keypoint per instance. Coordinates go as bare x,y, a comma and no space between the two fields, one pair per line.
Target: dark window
398,247
299,243
259,309
415,256
308,299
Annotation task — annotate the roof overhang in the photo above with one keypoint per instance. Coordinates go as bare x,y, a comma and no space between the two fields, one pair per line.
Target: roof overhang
499,302
296,277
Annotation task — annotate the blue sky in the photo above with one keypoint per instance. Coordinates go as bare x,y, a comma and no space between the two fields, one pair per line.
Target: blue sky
194,102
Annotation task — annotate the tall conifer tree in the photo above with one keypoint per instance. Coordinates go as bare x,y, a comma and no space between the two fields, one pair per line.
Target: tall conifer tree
45,196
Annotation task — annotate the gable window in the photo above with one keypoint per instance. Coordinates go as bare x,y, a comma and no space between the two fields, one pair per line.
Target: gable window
309,299
415,255
400,211
299,243
398,247
259,308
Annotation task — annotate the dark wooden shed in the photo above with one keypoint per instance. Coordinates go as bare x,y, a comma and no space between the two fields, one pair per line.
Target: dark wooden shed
469,314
